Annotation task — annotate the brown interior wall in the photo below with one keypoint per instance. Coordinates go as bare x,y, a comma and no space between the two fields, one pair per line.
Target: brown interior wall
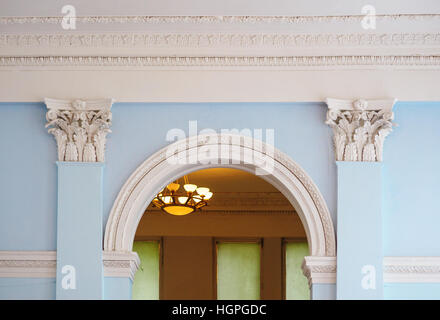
272,269
221,225
187,268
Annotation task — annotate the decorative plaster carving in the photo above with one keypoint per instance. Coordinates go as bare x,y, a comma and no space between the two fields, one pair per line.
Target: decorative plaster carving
222,61
412,269
27,264
287,176
359,128
42,264
214,19
216,40
80,128
120,264
319,269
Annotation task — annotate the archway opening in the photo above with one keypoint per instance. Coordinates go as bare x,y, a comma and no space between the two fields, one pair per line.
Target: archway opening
247,243
228,151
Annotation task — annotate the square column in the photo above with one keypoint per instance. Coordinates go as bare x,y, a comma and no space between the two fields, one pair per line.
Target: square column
359,229
359,131
79,230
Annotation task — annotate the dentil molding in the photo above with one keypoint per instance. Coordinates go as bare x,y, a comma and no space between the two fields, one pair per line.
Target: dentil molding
80,128
360,127
295,62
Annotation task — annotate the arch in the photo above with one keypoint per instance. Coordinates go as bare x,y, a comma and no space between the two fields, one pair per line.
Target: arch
225,150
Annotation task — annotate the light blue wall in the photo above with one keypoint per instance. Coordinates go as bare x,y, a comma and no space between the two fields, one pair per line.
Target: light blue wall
411,291
359,230
410,173
79,237
412,181
117,288
323,291
27,288
139,130
28,182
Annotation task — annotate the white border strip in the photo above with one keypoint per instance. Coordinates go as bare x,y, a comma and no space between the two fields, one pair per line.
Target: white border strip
42,264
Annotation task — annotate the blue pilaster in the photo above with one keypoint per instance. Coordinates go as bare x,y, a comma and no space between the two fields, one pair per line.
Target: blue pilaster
359,231
79,231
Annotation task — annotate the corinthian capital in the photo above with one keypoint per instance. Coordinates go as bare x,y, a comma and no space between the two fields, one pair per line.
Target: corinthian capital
360,127
80,128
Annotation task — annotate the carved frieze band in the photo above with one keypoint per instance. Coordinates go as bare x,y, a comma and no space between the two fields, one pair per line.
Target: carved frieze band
359,128
216,40
80,128
42,264
222,61
319,269
214,19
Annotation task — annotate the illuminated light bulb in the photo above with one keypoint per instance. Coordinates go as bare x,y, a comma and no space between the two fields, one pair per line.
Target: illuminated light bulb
167,199
202,191
197,200
208,196
190,187
182,200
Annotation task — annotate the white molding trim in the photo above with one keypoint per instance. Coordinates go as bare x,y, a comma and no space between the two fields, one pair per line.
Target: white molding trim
120,264
411,269
156,172
27,264
227,41
224,19
194,63
319,269
360,127
42,264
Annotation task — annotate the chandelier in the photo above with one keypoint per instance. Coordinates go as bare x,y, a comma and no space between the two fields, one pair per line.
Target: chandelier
184,202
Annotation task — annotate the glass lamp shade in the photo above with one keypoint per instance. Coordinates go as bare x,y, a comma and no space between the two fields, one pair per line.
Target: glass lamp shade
190,187
167,199
178,210
182,200
202,191
208,196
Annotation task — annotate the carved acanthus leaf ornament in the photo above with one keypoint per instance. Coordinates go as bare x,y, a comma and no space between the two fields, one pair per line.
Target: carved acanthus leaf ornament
359,128
80,128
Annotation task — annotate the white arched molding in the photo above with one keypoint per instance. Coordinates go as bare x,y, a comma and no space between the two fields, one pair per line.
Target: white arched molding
271,164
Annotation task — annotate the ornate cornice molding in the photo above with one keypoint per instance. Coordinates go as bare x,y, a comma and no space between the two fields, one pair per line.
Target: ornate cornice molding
212,19
80,128
27,264
319,269
300,62
359,127
42,264
412,269
120,264
216,40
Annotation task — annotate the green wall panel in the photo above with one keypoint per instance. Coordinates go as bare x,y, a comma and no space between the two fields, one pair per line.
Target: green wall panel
297,287
238,271
146,280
